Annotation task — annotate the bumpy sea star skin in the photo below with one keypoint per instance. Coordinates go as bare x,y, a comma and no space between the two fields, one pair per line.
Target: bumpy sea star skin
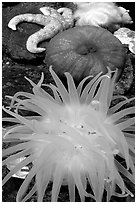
33,18
52,28
67,15
52,20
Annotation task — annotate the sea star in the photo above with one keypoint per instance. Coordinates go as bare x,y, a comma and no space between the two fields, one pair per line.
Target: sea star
52,20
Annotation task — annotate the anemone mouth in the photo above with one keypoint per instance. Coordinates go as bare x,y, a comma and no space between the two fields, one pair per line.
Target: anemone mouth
86,49
76,138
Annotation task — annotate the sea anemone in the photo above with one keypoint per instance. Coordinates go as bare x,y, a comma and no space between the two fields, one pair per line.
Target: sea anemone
74,139
102,14
85,50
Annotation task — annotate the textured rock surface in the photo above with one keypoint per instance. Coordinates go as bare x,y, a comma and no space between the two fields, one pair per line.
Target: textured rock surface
126,83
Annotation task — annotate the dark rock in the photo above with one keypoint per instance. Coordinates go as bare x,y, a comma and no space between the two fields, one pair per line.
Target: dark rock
126,84
8,4
14,42
13,78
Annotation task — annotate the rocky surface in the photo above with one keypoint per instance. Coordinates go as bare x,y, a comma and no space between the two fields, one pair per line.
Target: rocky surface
18,62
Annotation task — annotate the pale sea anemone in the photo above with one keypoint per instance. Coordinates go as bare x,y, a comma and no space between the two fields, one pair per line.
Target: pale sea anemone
101,14
73,140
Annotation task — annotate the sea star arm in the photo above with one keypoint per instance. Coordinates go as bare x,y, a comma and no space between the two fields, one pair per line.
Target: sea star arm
47,32
52,20
32,18
64,15
51,12
68,16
